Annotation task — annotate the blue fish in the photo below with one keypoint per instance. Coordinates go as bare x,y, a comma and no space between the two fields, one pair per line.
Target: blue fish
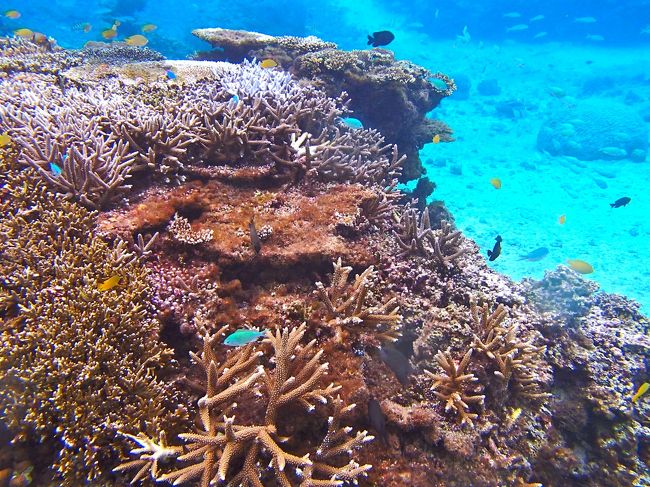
353,123
170,74
243,337
56,170
234,99
535,255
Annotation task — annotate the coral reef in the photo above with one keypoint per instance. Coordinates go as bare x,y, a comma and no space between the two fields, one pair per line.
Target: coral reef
387,95
144,216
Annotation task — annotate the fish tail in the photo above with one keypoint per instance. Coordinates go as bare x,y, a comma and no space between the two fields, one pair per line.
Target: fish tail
370,40
612,205
489,253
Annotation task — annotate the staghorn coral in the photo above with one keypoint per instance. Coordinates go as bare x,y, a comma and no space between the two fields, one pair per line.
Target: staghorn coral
517,360
454,385
227,450
347,308
78,363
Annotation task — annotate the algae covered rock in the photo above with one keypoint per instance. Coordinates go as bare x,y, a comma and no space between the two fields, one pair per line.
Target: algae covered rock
595,130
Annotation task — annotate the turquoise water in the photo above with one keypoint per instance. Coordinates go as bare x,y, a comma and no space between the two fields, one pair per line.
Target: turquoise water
537,62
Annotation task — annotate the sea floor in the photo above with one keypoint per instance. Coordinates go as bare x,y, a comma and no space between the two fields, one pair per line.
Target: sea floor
537,188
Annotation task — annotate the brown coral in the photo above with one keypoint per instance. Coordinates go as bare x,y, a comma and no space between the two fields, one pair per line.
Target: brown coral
454,385
237,452
348,310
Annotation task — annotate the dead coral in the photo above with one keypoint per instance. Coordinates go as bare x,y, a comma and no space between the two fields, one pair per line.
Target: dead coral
225,451
348,310
41,56
454,386
78,363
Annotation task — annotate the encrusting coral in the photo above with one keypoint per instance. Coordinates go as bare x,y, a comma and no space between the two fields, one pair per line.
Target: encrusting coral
78,363
232,447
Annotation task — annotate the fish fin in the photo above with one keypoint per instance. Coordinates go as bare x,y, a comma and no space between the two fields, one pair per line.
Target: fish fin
612,205
370,40
489,253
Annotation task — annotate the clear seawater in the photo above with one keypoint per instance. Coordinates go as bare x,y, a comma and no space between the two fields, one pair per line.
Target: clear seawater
546,57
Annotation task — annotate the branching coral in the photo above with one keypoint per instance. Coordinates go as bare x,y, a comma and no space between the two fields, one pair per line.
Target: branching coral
517,360
348,309
239,453
453,386
78,363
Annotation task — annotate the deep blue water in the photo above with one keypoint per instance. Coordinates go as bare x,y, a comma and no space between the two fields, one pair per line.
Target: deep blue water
592,53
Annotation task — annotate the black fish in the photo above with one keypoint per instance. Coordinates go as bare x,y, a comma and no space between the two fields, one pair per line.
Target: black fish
381,38
620,202
255,239
376,418
496,250
398,363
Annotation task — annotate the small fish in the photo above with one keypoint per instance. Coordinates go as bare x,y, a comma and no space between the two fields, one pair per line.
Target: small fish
268,63
535,255
376,418
496,250
12,14
562,219
496,182
5,139
234,99
580,266
620,202
398,363
640,392
24,33
109,34
436,139
109,283
517,28
585,20
537,18
243,337
594,37
512,15
381,38
84,26
170,74
539,35
56,170
255,239
149,28
137,40
353,123
514,415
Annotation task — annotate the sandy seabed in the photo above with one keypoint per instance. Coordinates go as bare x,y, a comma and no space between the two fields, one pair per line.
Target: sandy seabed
537,188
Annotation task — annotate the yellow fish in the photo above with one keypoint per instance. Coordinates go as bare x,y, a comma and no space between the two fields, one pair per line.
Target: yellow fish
109,283
436,138
25,33
109,34
496,182
562,219
642,390
149,27
5,139
268,63
580,266
12,14
514,415
137,40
